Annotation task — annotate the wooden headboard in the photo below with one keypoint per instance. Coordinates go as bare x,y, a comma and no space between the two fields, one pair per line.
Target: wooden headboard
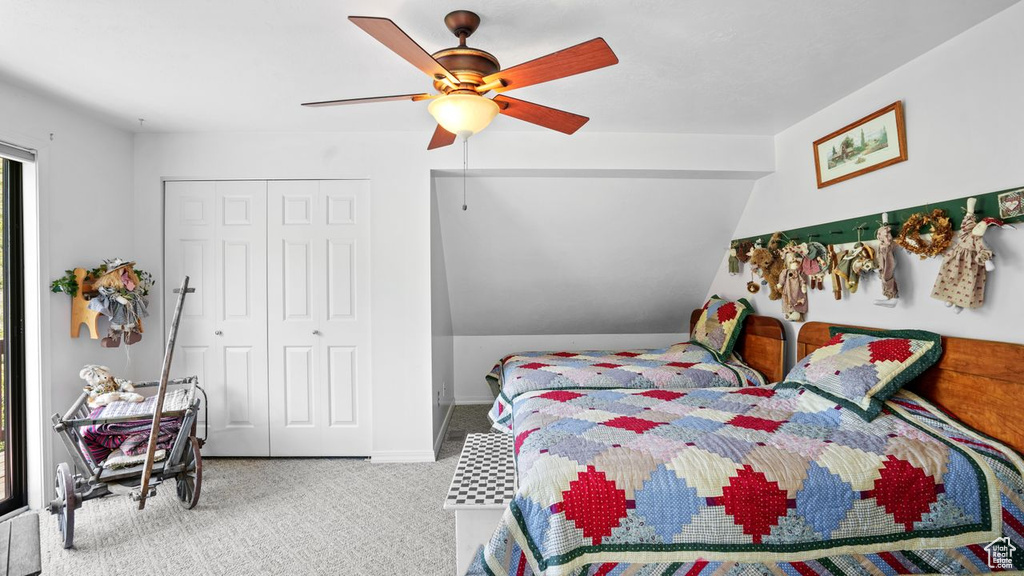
762,344
978,381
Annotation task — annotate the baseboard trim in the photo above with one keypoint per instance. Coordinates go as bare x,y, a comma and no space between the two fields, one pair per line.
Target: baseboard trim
401,456
473,401
444,430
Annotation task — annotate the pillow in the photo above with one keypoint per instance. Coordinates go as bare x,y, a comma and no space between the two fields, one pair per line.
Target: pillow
719,325
861,368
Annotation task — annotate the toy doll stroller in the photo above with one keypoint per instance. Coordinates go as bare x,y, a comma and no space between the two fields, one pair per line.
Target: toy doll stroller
139,475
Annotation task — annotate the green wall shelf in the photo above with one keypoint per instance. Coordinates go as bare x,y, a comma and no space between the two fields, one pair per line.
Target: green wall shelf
845,231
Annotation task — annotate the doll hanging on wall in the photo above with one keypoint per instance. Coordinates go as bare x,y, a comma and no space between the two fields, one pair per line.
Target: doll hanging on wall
121,297
793,286
850,264
815,264
887,264
734,260
961,280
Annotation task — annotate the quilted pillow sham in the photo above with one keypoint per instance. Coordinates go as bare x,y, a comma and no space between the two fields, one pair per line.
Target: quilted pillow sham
861,368
719,325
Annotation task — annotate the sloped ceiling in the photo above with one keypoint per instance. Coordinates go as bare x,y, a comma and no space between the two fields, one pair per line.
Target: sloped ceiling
583,255
695,66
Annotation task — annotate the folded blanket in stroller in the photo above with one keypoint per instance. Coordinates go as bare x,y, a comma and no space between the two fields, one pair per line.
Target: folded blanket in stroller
131,436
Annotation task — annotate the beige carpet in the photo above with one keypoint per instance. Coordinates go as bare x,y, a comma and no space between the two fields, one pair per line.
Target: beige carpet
278,516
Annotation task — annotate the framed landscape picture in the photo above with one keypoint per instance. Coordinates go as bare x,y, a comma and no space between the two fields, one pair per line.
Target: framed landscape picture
875,141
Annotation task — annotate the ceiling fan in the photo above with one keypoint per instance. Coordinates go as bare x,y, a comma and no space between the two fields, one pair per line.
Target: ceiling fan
462,75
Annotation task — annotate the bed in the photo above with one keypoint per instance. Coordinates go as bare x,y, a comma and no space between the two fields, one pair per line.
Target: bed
770,479
758,359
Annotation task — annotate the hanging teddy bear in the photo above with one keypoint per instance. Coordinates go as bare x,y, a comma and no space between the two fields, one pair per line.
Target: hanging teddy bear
743,250
104,388
964,270
769,264
793,286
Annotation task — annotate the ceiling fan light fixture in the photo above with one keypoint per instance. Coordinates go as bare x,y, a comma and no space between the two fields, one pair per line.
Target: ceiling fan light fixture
463,114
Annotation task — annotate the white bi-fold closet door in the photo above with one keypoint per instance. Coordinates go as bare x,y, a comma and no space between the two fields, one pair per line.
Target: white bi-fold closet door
216,233
319,312
278,329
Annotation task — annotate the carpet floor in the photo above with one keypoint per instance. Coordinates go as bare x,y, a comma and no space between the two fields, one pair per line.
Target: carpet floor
334,516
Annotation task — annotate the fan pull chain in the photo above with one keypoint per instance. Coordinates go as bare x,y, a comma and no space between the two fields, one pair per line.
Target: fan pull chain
465,165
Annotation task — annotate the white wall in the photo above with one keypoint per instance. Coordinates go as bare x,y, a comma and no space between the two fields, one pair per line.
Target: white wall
964,136
476,355
398,166
442,352
583,254
85,206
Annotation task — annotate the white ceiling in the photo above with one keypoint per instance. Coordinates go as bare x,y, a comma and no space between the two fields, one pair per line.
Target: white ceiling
583,255
696,66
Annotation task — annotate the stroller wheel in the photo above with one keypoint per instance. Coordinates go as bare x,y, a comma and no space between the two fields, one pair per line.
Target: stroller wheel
191,480
65,503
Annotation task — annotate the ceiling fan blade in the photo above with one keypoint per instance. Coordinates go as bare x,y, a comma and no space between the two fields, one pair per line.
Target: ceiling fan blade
389,34
413,97
441,138
564,122
577,59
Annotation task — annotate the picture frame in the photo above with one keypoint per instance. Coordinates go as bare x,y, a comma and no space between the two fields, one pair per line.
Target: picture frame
1011,204
873,142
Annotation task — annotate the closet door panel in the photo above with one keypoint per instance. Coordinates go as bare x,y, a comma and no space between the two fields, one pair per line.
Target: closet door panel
294,297
239,394
341,384
190,237
189,242
240,264
299,388
319,304
341,279
215,232
345,320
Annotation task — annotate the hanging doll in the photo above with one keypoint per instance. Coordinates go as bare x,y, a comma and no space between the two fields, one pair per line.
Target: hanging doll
886,264
121,297
850,264
815,264
734,261
962,276
793,286
837,280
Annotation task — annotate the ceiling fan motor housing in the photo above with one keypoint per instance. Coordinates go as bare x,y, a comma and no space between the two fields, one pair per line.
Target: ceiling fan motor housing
469,65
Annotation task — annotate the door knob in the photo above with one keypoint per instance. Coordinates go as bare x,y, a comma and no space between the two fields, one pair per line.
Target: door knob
316,332
218,333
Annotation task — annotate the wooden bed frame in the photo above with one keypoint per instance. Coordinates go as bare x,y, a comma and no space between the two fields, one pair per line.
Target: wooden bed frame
980,382
762,344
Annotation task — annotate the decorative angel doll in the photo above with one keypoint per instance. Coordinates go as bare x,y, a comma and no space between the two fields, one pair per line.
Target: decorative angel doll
964,270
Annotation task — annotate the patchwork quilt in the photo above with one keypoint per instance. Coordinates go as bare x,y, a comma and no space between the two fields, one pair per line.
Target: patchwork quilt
684,365
753,480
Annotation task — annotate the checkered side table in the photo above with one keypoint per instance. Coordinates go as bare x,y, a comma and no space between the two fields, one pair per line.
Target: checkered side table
483,485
